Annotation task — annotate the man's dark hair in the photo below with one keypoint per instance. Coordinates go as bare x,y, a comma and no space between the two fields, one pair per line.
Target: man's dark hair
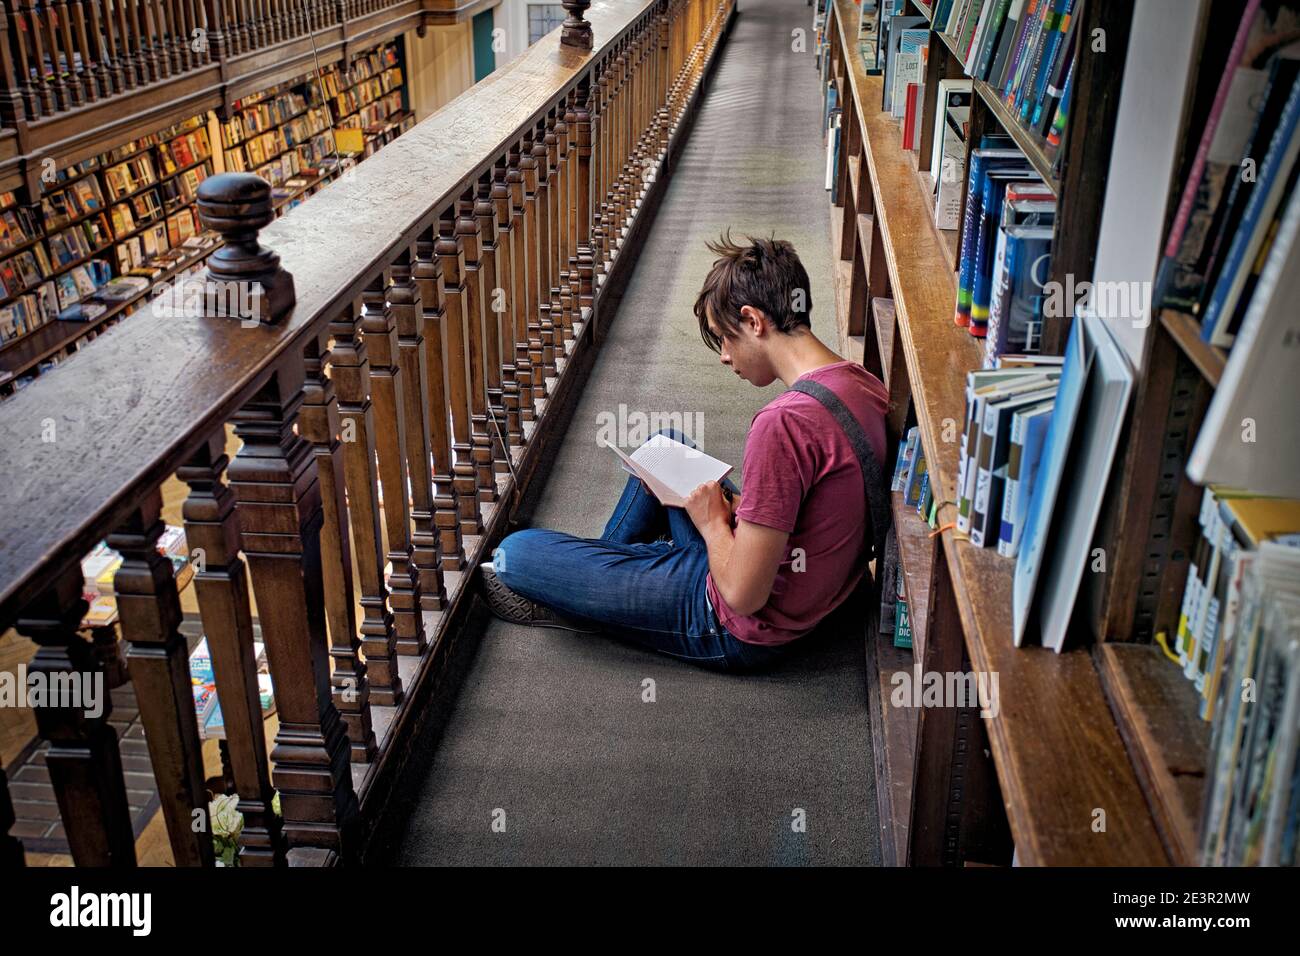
765,274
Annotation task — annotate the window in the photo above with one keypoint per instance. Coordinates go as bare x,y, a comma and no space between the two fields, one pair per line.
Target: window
542,19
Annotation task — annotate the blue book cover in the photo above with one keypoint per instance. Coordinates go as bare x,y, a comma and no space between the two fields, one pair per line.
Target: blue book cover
987,157
1264,200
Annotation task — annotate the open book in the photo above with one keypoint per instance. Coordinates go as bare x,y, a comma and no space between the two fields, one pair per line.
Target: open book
672,470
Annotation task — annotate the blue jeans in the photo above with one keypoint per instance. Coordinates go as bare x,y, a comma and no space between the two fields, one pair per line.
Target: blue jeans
643,580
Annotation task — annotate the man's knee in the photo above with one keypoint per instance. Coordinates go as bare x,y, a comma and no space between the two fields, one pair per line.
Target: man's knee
511,557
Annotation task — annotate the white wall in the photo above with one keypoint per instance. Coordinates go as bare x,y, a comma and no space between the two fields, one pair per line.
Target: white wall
1157,75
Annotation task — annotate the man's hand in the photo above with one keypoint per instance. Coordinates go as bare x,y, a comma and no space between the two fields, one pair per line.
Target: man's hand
708,508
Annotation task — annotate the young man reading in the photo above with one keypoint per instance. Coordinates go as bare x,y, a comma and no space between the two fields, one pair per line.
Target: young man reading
730,580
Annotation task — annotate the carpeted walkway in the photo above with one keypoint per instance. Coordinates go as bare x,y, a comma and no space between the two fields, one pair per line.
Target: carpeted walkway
551,732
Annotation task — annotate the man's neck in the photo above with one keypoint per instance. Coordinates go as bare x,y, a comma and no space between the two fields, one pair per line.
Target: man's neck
803,353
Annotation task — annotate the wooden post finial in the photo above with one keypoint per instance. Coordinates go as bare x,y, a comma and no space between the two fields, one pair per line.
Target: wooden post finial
244,280
576,31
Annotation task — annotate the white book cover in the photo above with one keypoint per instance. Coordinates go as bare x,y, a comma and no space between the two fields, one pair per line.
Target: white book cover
1248,438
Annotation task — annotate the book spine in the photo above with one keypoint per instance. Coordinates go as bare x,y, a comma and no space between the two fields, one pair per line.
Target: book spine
1050,65
1280,151
1006,529
962,315
992,39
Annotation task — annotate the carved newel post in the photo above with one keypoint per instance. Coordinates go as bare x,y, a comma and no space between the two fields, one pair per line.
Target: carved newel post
244,280
575,31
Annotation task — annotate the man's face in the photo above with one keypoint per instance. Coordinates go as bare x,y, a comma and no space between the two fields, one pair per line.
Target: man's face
742,348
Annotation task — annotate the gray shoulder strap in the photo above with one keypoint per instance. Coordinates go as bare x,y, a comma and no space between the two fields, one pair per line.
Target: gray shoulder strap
872,478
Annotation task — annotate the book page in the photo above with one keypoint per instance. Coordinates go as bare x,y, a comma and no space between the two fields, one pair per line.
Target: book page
671,469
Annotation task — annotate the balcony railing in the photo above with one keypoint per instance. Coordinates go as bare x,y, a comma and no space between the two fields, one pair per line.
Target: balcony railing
448,292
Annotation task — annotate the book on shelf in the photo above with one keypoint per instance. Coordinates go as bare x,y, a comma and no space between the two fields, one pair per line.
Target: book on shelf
1250,812
1081,441
1247,437
909,30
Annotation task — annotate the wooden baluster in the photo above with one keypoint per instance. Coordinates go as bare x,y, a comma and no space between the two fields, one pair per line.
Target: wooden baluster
221,586
12,78
47,36
83,761
278,495
427,274
91,72
138,44
557,136
63,54
531,164
220,35
463,470
319,423
180,35
584,260
150,612
508,396
154,44
598,123
350,373
123,69
467,231
44,91
380,331
493,304
522,166
405,297
11,848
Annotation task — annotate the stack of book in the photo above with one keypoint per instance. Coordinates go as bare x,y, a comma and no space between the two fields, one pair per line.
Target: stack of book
1251,808
99,567
1007,413
1005,254
912,478
203,682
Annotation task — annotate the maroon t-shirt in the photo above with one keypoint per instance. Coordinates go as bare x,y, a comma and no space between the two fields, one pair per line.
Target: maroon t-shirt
801,476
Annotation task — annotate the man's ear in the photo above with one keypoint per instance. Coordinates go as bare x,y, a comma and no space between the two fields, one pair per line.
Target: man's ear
755,319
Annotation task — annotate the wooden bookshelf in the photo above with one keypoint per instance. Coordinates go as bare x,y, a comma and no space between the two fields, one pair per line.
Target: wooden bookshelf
1055,746
1186,333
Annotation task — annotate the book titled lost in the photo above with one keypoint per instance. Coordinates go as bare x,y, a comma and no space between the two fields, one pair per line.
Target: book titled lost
672,470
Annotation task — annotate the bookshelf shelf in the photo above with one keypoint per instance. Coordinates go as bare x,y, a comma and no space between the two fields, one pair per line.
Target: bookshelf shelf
1186,333
893,743
1040,153
917,556
1156,710
1057,751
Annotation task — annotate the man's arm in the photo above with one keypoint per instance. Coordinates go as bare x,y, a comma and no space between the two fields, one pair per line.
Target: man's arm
743,561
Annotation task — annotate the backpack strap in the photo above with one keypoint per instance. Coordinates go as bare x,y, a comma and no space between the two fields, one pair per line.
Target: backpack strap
873,480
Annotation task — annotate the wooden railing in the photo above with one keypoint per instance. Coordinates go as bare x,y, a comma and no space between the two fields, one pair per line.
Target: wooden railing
59,55
447,295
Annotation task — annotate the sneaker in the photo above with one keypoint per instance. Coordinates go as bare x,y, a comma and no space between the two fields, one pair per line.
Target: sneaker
517,609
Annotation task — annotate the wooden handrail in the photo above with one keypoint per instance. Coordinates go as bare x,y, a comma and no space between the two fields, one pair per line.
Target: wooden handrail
441,291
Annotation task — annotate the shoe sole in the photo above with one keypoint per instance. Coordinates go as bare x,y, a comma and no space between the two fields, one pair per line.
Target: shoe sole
514,608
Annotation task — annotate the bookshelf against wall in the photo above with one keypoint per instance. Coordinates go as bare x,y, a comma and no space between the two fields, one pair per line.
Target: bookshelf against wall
106,230
973,187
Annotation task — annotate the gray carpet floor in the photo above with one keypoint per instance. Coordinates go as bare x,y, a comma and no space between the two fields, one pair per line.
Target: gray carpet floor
550,737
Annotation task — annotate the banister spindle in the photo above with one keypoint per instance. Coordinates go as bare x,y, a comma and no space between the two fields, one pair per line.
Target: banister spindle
467,231
150,612
349,364
274,480
583,256
405,297
90,73
380,333
508,197
427,272
463,470
319,423
83,760
221,586
493,304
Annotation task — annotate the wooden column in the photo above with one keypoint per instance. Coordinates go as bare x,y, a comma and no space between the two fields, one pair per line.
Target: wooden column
83,760
350,373
408,311
386,382
319,423
468,231
463,471
493,304
150,613
427,273
583,257
512,264
278,495
220,584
